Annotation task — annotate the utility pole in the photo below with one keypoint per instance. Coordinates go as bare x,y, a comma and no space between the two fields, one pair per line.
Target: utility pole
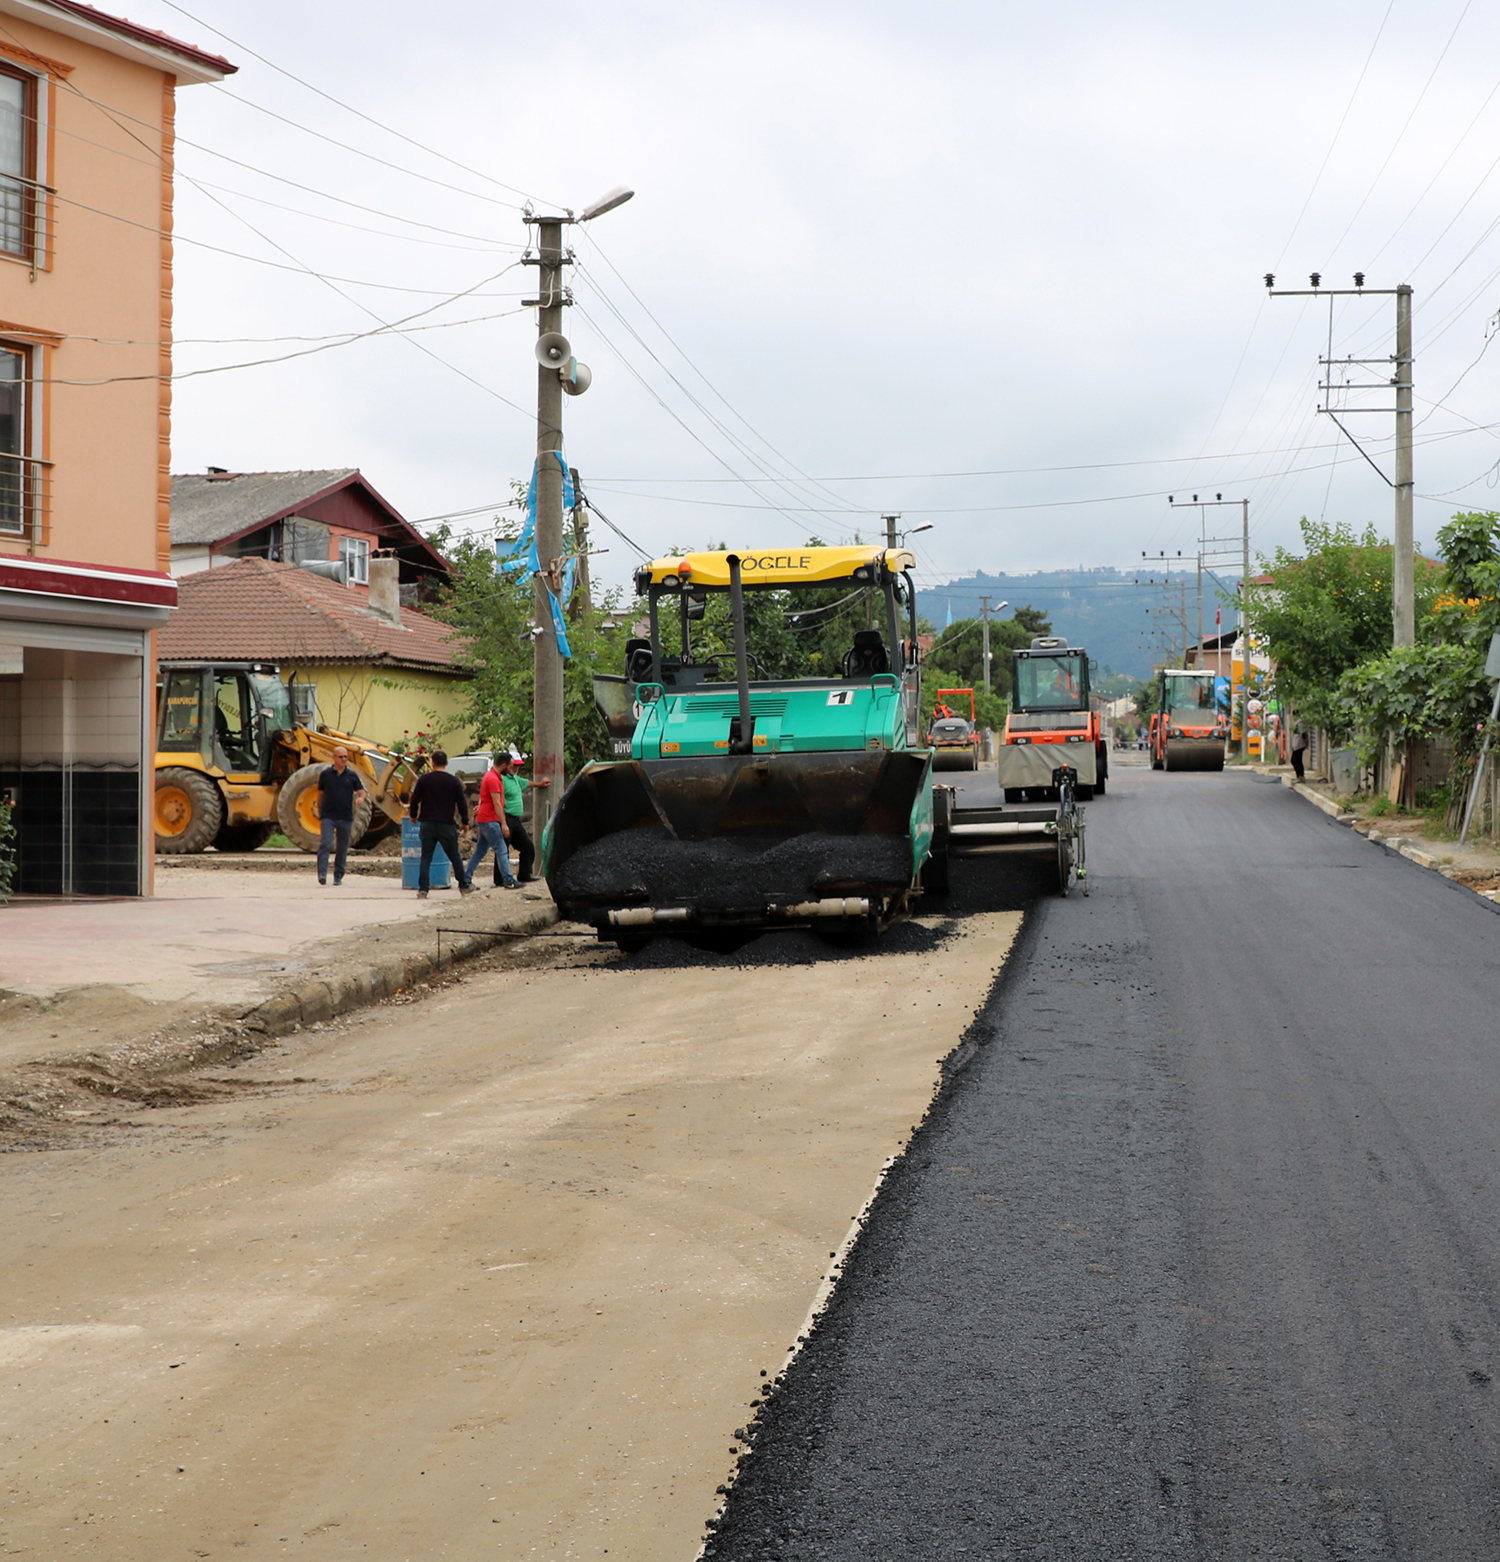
547,697
890,530
1403,570
984,612
1403,586
582,602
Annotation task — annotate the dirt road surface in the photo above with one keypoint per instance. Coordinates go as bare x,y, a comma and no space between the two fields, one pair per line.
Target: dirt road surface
495,1272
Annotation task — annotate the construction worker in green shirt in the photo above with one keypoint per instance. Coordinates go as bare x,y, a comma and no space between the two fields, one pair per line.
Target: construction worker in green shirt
515,785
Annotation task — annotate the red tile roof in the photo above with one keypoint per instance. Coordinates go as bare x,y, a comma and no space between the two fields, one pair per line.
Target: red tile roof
147,35
257,611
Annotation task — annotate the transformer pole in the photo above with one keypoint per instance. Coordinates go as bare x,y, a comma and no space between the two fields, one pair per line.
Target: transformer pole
1403,584
547,706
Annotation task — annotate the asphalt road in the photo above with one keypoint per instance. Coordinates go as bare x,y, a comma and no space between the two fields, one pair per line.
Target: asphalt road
1198,1258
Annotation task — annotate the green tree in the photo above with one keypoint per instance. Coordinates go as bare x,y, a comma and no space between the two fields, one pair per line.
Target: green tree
1328,610
1437,685
493,609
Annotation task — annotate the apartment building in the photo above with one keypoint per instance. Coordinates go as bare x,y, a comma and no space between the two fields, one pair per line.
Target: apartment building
87,106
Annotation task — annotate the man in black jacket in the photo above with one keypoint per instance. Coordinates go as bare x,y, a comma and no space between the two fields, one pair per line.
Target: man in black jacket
438,805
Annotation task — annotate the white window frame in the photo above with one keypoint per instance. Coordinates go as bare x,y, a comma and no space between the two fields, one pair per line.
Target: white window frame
354,555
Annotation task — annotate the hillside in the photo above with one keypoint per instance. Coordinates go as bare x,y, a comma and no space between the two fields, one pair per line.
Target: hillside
1102,609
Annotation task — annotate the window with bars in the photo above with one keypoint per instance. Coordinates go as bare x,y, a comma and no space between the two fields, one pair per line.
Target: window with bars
21,206
18,476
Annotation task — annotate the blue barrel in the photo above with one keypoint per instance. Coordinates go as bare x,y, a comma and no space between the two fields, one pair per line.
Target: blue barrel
439,875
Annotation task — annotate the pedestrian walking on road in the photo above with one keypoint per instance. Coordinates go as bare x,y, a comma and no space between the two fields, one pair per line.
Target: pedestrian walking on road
1299,751
515,787
337,785
490,825
438,805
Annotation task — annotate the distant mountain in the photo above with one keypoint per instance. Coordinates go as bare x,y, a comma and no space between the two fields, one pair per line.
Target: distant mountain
1103,610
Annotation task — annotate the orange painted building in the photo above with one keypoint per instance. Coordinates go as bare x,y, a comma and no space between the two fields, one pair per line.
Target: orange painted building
87,110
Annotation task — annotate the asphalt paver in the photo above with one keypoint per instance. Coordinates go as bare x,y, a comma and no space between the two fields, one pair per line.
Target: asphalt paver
1198,1257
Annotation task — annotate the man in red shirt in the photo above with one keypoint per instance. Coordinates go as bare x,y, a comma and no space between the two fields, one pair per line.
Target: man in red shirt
491,828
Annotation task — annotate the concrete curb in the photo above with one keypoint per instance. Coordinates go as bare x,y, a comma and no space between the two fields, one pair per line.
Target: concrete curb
317,1002
1317,799
1399,844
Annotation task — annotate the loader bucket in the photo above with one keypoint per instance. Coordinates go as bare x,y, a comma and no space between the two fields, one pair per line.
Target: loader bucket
741,840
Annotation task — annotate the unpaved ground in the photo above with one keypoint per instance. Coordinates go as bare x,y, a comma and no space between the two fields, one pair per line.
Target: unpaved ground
494,1273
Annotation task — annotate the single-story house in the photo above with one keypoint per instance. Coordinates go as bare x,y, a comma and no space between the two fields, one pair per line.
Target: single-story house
356,658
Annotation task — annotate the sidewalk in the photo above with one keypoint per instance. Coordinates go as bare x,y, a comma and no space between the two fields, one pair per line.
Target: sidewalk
220,955
1475,864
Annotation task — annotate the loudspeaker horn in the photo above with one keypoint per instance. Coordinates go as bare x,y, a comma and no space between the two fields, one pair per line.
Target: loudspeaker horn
575,377
553,350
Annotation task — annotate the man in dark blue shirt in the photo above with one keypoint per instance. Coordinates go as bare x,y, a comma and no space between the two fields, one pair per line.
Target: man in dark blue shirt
336,788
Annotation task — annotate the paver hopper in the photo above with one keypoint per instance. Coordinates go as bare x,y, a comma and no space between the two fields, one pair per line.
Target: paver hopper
745,806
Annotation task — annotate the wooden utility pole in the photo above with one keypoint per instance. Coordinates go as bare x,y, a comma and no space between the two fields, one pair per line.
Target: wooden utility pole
582,603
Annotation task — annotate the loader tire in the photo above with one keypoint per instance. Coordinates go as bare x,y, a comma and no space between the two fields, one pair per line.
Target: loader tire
382,827
189,810
243,837
297,809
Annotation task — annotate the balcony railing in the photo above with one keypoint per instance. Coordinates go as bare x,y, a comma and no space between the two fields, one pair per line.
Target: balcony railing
26,219
26,499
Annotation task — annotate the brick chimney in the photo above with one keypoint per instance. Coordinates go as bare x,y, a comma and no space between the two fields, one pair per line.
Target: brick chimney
385,587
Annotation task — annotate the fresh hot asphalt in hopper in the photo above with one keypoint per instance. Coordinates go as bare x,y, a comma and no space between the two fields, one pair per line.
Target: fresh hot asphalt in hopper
1197,1258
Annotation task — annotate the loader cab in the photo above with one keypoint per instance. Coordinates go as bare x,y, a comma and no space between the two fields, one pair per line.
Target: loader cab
1051,675
224,712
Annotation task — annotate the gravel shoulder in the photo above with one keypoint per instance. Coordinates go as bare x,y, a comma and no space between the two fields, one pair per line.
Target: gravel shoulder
491,1269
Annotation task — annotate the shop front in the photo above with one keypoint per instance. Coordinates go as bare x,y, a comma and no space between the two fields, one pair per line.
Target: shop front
76,722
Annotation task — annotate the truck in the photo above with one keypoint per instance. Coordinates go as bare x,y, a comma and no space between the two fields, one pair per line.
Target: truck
1051,704
750,804
952,736
1188,729
233,766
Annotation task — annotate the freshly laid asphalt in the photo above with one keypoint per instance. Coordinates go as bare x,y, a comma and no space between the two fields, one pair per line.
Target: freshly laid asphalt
1199,1255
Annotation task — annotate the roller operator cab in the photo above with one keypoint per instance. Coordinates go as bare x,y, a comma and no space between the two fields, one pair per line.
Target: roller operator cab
1189,730
751,803
1052,704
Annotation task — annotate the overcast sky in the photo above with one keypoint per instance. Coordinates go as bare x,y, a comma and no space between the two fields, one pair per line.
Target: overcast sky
994,266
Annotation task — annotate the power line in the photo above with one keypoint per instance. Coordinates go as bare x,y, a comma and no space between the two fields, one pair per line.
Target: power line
348,108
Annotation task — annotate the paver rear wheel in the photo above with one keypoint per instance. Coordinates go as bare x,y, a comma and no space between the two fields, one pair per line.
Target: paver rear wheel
297,809
189,809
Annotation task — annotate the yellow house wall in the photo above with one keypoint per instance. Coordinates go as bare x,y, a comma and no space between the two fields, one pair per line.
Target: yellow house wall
108,277
355,700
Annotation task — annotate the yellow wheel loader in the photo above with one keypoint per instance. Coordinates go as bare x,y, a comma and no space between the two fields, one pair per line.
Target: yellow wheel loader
233,767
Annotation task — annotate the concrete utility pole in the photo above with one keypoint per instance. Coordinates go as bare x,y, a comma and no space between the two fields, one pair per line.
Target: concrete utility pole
1403,586
547,706
984,613
890,530
1403,564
